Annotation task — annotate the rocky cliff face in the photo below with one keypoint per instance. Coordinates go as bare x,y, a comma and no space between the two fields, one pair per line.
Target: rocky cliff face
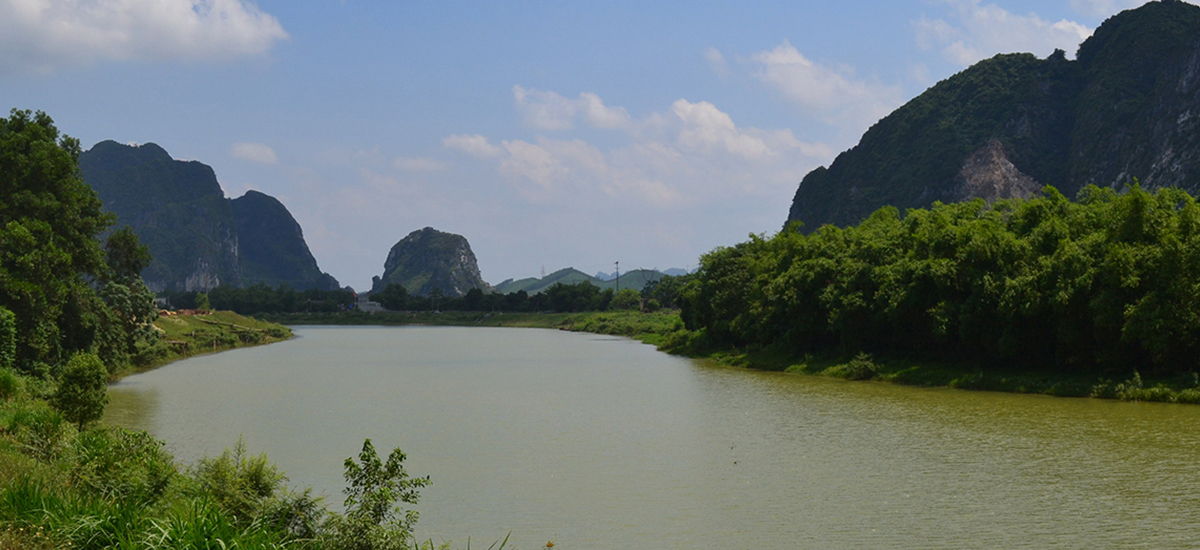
198,239
1128,107
428,260
989,175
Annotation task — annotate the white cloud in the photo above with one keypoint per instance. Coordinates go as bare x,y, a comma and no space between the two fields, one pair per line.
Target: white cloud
831,94
706,128
1103,8
533,162
418,164
254,152
691,153
550,111
474,145
40,35
977,31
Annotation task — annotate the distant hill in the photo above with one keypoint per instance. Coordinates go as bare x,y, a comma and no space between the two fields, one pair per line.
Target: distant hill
533,285
428,259
636,279
198,238
1125,108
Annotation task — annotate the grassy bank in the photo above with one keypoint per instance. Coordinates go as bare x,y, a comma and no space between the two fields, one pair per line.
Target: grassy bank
665,330
183,336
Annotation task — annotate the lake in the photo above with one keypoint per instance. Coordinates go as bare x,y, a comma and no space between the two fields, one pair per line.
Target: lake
597,442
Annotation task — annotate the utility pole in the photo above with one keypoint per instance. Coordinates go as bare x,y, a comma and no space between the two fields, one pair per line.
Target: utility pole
617,266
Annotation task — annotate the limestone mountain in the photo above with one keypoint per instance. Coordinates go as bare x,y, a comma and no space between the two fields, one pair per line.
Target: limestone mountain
428,260
198,238
271,247
1127,107
176,208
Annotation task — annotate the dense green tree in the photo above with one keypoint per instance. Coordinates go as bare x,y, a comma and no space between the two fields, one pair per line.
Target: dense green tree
49,223
627,298
125,255
472,299
394,297
82,389
1105,285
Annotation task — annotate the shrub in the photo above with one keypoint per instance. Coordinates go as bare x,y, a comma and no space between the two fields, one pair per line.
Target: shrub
240,484
10,384
372,520
82,391
861,368
118,463
40,431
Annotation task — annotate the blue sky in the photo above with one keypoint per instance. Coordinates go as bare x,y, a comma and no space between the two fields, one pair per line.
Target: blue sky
548,133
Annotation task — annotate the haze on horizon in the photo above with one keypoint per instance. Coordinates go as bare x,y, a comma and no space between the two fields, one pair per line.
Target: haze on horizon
548,134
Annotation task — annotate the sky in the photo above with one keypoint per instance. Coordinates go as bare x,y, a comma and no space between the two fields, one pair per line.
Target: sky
549,134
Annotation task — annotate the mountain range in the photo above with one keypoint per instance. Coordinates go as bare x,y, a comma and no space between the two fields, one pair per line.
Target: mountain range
635,279
199,239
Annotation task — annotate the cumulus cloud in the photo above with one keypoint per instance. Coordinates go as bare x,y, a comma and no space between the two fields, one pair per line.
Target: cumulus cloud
418,164
41,35
832,94
706,128
550,111
254,152
474,145
690,152
974,31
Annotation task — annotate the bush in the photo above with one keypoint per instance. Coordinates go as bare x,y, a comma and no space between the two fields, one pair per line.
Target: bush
11,384
40,431
83,389
861,368
122,464
373,519
239,484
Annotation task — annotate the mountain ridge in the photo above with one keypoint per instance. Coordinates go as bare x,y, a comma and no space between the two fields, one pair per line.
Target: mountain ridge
198,238
1125,108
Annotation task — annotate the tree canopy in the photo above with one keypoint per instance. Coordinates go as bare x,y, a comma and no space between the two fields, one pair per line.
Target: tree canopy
51,259
1105,285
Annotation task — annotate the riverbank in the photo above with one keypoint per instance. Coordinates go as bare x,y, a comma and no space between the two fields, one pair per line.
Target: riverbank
665,330
182,336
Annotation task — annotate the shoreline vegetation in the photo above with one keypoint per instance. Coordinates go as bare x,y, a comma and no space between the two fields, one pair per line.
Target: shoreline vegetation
69,480
187,335
666,331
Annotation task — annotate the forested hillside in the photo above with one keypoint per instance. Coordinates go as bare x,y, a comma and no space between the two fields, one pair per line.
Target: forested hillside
1123,109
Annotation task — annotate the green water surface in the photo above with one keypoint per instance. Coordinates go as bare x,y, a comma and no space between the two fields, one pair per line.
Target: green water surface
604,443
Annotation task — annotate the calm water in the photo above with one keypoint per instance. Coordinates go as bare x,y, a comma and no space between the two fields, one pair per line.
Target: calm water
604,443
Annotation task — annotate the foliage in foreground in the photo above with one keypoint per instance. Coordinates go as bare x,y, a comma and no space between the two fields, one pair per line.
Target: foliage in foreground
98,486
